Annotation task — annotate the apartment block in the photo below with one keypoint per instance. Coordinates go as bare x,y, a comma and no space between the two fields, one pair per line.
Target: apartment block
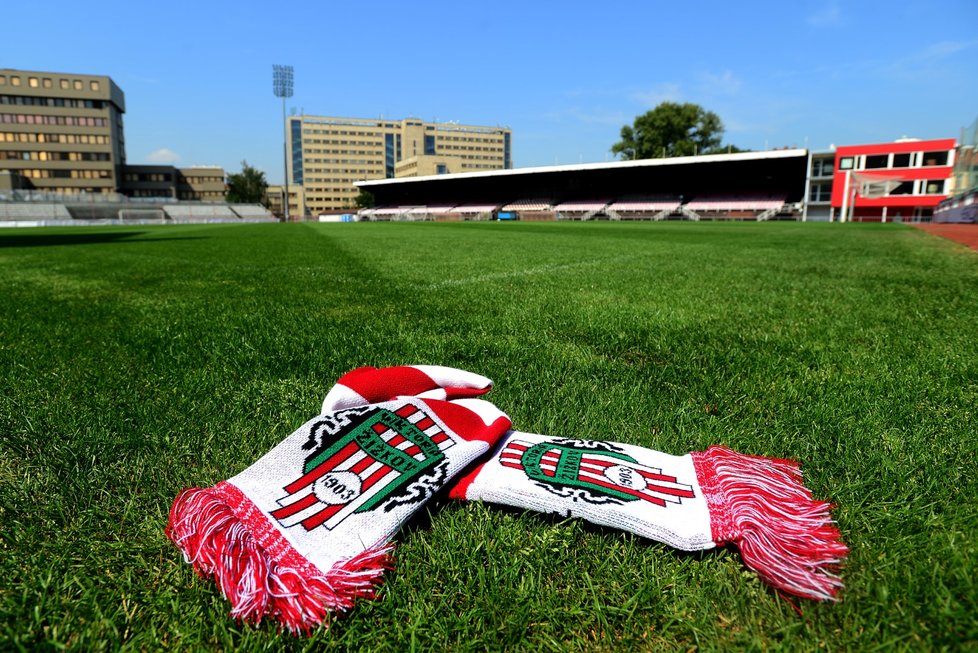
326,155
61,132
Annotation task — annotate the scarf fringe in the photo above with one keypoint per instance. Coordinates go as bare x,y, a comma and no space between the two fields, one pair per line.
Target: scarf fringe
284,587
762,506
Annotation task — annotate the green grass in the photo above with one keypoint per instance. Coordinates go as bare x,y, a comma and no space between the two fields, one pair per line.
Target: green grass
140,361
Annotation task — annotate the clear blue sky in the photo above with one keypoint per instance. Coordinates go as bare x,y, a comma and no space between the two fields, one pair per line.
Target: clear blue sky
565,76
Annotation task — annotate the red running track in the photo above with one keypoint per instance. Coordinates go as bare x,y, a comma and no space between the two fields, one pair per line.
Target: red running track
966,234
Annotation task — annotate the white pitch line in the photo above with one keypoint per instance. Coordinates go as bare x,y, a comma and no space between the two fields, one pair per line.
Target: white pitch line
525,272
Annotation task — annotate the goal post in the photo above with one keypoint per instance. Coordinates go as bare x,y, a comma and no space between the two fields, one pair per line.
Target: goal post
142,214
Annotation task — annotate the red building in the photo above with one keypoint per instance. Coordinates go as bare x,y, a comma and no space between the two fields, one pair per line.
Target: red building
900,181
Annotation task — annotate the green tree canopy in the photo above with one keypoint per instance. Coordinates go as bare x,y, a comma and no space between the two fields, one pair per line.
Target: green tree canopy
671,129
365,200
247,186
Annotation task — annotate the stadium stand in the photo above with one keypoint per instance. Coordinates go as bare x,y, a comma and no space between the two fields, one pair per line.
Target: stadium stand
42,208
779,174
33,211
737,207
960,208
527,209
523,205
200,213
646,208
252,213
581,209
476,211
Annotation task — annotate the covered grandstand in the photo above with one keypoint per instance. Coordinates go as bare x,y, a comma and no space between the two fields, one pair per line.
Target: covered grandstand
747,186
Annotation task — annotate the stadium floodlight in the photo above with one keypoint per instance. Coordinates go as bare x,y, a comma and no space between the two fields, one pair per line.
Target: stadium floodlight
282,87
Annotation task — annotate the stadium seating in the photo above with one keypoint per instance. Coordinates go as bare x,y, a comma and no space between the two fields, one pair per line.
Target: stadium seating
523,205
473,211
31,211
643,208
731,203
961,208
580,209
527,209
735,207
252,213
200,213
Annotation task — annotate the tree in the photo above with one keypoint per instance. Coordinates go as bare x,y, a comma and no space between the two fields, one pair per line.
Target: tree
365,200
671,129
247,186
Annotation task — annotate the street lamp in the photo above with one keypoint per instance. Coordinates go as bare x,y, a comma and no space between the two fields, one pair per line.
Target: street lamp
282,87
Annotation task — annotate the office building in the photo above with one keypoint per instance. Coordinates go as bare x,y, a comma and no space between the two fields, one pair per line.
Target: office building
61,132
197,184
327,155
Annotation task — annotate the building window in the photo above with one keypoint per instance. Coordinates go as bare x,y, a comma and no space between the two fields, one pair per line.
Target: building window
934,187
845,163
876,161
901,160
33,82
3,80
93,85
429,144
64,84
905,188
935,158
77,84
15,81
389,159
822,167
820,193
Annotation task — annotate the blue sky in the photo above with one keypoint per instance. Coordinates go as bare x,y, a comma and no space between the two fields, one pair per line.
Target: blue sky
565,76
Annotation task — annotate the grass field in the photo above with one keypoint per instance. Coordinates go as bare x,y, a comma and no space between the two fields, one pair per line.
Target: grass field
140,361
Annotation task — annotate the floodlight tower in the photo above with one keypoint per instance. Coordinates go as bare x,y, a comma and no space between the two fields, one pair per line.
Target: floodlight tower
282,87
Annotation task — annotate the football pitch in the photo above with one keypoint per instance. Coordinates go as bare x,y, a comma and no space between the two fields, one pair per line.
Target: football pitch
138,361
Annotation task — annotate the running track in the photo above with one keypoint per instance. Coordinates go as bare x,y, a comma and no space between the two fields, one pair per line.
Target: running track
966,234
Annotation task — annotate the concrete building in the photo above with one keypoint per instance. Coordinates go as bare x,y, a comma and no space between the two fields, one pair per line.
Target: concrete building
199,184
273,200
61,132
327,155
879,182
821,169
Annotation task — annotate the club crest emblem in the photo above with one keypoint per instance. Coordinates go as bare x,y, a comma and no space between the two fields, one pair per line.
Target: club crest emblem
594,472
362,460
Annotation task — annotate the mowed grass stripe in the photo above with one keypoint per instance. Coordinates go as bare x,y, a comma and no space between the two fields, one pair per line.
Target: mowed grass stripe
141,360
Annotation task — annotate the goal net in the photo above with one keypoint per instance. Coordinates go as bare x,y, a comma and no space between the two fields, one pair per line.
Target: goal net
873,186
141,214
